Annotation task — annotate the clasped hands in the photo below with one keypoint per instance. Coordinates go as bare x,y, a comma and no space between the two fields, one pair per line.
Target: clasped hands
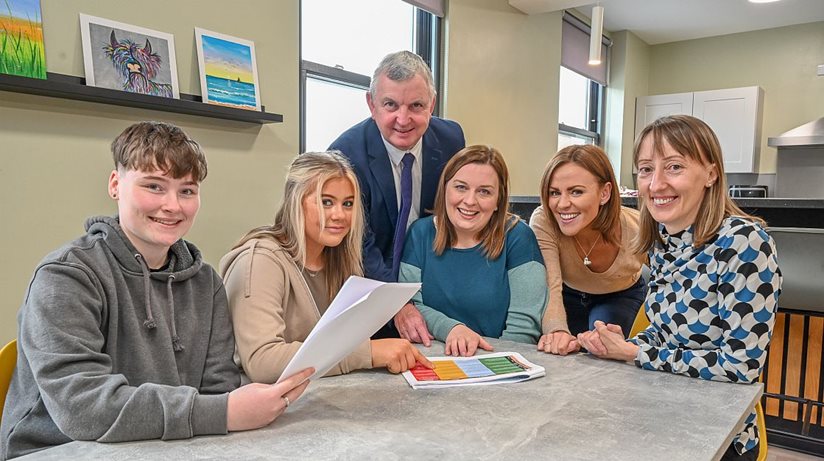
605,341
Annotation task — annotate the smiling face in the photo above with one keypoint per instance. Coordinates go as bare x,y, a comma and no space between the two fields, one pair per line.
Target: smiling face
155,209
672,184
401,109
575,198
329,227
471,199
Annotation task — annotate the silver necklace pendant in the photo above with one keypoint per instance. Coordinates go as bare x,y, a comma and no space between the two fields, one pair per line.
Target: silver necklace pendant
587,262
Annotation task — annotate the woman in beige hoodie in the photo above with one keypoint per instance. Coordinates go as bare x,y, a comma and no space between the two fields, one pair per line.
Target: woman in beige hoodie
281,278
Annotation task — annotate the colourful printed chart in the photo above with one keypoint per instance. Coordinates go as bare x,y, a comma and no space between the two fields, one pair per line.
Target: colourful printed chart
486,369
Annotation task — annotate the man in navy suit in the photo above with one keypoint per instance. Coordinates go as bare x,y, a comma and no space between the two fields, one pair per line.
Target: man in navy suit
401,99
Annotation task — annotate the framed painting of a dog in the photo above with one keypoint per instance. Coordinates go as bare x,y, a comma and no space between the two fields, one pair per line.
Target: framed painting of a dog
228,70
128,58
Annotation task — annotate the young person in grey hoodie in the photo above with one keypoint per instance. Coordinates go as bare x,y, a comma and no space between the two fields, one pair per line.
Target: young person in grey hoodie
124,333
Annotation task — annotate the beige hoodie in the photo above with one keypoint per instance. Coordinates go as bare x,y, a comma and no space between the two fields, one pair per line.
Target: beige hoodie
273,311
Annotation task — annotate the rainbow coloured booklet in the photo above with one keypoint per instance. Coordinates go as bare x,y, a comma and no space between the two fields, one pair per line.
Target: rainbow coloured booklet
495,368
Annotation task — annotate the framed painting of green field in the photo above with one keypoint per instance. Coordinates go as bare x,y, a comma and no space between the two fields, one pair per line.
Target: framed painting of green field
228,70
21,39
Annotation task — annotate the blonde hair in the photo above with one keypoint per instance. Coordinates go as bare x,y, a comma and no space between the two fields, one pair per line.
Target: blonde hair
594,160
307,174
693,139
493,235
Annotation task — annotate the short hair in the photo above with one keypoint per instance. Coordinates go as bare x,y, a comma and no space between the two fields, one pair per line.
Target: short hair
595,160
145,146
493,235
401,66
694,139
307,174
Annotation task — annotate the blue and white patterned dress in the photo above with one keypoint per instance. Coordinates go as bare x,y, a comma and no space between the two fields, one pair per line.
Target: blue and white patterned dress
712,308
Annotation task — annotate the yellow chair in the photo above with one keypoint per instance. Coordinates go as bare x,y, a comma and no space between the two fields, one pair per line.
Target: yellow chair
762,431
8,360
641,322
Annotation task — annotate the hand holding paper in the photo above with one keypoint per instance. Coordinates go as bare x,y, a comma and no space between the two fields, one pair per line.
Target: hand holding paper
360,308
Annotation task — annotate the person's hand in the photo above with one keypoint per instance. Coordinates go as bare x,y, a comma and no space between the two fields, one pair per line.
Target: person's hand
257,405
397,355
607,341
411,325
462,341
559,343
591,341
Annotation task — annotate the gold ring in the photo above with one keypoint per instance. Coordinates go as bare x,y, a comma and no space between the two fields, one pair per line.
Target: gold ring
286,400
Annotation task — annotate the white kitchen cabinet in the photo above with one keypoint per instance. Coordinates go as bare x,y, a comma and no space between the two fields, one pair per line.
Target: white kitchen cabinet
650,108
734,114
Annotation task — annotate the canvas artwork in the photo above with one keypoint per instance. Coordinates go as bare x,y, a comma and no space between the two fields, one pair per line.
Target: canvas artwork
228,70
21,39
129,58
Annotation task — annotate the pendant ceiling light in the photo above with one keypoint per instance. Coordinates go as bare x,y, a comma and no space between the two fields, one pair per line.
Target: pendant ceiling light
595,34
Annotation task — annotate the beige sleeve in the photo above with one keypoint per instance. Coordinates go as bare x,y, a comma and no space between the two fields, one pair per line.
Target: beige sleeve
257,291
555,314
257,286
358,360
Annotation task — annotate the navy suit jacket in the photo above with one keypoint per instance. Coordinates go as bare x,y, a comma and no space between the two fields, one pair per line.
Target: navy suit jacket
363,146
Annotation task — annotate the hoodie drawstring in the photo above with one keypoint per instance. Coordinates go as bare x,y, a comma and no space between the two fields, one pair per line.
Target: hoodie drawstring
147,291
175,338
150,323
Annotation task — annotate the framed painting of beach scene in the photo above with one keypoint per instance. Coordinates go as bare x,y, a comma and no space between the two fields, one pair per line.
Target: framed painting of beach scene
21,39
228,70
129,58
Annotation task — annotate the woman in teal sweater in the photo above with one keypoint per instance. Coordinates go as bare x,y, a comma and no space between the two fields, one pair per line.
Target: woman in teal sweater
480,266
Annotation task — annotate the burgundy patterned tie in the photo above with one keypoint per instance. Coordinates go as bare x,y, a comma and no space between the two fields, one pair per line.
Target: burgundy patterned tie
403,212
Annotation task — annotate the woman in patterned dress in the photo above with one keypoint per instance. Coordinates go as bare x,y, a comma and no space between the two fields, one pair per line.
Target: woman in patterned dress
714,281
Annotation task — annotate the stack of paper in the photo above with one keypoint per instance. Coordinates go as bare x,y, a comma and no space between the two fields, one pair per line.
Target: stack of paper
360,308
497,368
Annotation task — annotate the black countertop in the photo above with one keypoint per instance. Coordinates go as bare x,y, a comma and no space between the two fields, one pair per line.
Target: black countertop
778,212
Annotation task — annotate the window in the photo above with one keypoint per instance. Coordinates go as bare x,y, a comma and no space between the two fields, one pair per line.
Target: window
580,109
339,52
582,86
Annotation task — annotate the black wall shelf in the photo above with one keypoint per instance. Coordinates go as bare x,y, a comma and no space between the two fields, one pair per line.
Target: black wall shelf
71,87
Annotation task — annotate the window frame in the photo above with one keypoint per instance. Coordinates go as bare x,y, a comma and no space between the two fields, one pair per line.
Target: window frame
595,115
427,41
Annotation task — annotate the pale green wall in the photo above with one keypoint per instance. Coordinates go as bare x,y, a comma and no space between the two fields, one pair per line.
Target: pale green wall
629,72
55,152
502,84
782,61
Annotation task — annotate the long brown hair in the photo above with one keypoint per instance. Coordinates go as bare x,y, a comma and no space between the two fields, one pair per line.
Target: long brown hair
493,235
693,139
307,174
594,160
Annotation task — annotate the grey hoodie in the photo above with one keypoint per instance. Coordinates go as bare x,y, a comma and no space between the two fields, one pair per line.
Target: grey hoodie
109,351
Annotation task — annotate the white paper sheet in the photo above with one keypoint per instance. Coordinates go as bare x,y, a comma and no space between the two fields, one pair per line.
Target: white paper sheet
359,309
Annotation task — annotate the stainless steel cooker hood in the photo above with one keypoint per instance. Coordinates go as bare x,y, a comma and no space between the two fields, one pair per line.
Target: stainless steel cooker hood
807,135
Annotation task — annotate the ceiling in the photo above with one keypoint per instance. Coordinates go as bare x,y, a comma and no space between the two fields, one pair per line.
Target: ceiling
663,21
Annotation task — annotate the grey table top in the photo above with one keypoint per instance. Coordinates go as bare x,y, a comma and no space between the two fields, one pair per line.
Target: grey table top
583,409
